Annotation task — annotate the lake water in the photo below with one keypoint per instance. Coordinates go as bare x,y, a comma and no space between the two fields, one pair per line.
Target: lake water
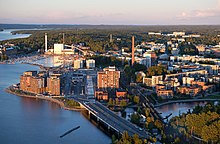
34,121
31,121
6,34
177,108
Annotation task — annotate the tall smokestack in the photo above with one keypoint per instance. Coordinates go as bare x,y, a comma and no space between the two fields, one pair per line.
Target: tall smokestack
45,42
63,39
132,53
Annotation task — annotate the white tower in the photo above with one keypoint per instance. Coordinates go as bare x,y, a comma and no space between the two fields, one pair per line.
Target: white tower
45,42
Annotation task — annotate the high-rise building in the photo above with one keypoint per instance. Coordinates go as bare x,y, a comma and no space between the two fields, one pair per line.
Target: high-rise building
108,78
132,51
40,83
54,84
31,82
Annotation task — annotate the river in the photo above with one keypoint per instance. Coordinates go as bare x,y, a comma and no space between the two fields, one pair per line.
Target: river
31,121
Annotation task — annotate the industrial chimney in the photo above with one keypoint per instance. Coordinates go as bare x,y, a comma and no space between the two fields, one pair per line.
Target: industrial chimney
45,42
132,53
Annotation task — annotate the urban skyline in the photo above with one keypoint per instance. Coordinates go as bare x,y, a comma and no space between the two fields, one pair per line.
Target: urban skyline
141,12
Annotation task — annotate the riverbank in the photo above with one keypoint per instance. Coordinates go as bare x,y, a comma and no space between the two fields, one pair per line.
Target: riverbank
185,101
60,103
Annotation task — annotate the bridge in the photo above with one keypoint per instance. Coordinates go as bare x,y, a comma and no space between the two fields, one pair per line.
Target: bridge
111,120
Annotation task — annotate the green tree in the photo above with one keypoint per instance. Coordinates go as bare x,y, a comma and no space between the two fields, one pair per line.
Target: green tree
110,102
136,99
123,103
135,118
139,78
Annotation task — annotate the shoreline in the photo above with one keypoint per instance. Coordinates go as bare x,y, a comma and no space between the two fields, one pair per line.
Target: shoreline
184,101
61,104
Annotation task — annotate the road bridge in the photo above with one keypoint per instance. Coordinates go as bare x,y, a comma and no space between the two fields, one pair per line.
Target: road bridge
113,122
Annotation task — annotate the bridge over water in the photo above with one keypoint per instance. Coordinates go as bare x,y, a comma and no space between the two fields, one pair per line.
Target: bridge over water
111,120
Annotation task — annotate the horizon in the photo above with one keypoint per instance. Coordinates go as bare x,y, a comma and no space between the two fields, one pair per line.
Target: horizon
63,24
97,12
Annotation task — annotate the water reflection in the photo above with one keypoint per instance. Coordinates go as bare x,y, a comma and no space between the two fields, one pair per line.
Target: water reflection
177,108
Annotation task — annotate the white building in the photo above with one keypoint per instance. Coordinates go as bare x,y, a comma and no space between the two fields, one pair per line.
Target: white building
58,48
187,81
78,64
90,63
179,33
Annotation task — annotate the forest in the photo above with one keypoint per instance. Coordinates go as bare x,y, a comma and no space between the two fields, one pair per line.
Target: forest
98,36
202,124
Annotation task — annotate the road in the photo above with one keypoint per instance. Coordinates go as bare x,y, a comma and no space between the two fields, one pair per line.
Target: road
116,122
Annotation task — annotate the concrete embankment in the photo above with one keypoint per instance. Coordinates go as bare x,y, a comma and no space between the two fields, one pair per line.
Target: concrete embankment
62,105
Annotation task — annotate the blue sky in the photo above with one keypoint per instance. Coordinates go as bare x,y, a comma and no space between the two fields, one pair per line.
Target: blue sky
132,12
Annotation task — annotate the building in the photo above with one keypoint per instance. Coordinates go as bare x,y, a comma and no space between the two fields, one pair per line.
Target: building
54,84
101,95
187,81
78,63
120,93
58,48
179,34
211,69
164,93
90,63
32,83
153,81
108,78
192,91
41,83
150,59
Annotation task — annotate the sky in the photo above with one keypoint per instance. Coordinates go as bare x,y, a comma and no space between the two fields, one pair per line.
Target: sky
111,12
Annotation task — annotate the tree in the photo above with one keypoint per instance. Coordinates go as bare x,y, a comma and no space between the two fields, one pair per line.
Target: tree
136,99
136,139
156,71
139,78
110,102
135,118
113,138
158,124
147,112
123,103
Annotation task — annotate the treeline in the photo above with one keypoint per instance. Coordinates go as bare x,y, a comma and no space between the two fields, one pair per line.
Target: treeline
188,49
3,57
98,37
103,61
203,122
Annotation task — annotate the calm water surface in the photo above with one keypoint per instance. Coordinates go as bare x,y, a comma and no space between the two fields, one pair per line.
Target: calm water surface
30,121
6,34
177,108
